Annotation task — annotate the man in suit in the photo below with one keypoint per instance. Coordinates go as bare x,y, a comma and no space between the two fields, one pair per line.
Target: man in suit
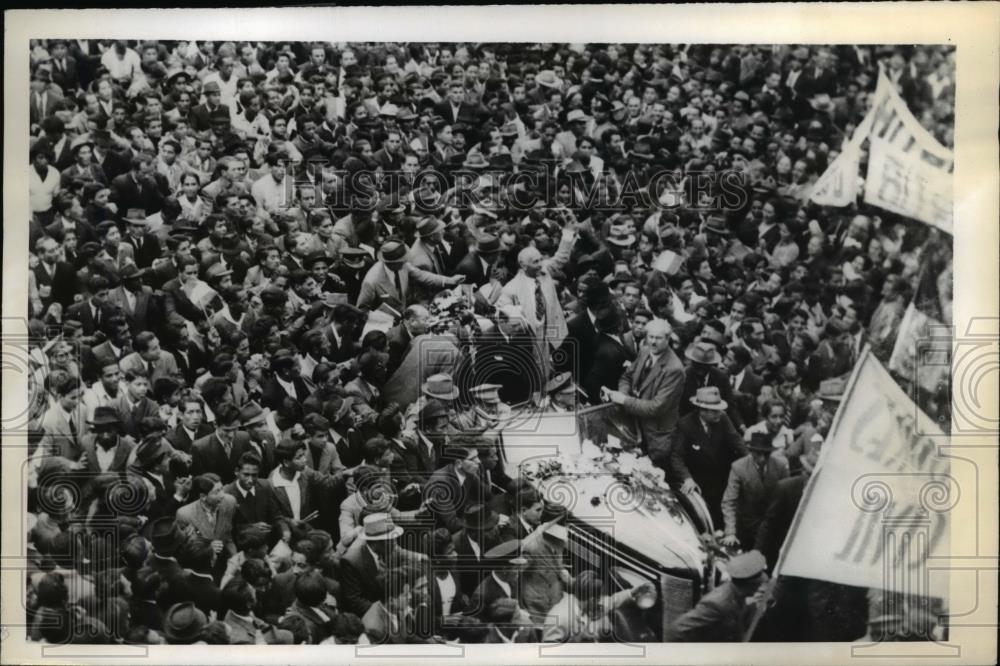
389,619
787,495
96,307
745,383
344,320
149,357
191,424
239,597
501,581
704,447
135,300
454,487
505,355
145,245
64,69
107,448
142,188
394,281
478,265
287,382
254,501
311,605
610,356
298,491
581,339
400,337
365,565
752,480
471,544
219,452
43,97
366,387
210,515
133,404
427,253
62,422
56,280
703,371
534,290
175,298
455,107
201,115
651,391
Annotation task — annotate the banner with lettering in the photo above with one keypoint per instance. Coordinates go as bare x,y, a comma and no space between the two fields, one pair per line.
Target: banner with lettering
909,171
838,186
900,182
877,505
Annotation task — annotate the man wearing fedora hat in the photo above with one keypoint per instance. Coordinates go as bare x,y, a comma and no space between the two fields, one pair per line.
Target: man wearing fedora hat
134,299
107,448
479,263
366,563
145,245
426,253
393,279
183,624
141,188
704,448
454,487
703,370
752,480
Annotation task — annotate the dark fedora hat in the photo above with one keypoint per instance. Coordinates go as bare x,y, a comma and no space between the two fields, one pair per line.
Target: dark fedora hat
488,244
183,623
761,441
392,251
480,517
105,416
164,536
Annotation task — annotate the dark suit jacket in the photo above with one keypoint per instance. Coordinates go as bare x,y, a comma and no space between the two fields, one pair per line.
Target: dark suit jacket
720,616
201,118
580,346
777,519
149,251
509,362
144,316
606,367
131,416
62,282
272,394
126,194
399,343
204,592
82,313
257,508
472,268
745,395
705,457
485,594
447,498
175,300
315,491
207,455
655,401
120,461
179,439
64,75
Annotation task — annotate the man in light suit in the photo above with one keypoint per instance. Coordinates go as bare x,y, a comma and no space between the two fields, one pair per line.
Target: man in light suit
393,280
367,385
651,391
752,482
62,423
427,252
148,356
210,515
534,291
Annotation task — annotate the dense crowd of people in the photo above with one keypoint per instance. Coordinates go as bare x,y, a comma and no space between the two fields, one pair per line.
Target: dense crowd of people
284,296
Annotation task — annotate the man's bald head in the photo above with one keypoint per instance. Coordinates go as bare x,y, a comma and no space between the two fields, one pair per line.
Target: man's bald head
530,260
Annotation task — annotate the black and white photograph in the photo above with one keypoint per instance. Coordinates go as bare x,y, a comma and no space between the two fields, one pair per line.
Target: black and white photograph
478,342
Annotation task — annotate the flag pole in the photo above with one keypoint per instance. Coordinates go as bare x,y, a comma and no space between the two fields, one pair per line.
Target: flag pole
824,452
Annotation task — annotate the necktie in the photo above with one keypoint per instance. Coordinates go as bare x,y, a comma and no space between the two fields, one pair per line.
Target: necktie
644,371
539,301
399,285
97,316
72,430
149,369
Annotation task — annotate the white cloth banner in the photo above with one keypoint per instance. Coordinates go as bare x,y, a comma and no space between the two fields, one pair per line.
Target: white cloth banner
920,354
838,186
877,505
903,183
